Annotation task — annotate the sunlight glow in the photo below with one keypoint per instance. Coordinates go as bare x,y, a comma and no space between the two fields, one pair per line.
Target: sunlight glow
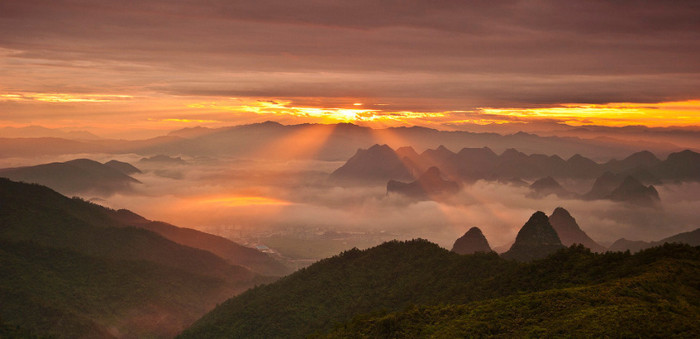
240,201
681,113
62,97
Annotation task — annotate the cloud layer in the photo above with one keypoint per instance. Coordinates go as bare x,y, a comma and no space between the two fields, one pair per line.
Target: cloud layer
404,55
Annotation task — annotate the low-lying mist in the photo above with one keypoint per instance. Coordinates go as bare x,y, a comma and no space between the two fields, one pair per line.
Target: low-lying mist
252,200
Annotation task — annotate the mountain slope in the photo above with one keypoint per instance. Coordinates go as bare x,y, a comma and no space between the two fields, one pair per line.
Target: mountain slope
391,276
75,176
66,294
378,163
471,242
430,185
625,307
691,238
535,240
232,252
72,264
123,167
36,213
396,275
569,232
546,186
634,192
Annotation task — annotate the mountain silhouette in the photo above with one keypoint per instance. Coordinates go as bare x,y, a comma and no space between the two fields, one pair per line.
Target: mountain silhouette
622,244
643,159
546,186
75,176
232,252
579,166
680,166
471,242
378,163
632,191
605,184
78,271
691,238
471,164
569,231
429,185
535,240
123,167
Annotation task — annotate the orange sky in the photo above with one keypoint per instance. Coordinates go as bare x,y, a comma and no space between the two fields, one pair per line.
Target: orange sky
143,69
141,116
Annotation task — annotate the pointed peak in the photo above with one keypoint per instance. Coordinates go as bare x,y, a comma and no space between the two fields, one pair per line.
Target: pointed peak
560,211
474,230
538,216
535,240
471,242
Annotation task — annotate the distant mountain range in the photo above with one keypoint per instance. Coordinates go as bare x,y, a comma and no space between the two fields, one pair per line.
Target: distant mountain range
429,185
691,238
542,236
43,132
618,180
380,162
78,176
71,268
329,142
608,186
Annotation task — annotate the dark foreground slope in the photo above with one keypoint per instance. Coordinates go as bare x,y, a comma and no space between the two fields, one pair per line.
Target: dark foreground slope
66,294
416,277
232,252
661,302
71,270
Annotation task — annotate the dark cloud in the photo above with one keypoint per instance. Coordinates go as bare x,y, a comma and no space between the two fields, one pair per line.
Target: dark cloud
457,54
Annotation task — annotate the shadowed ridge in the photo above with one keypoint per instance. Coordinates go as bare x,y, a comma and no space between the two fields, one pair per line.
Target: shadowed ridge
633,191
430,185
569,231
74,176
471,242
378,163
535,240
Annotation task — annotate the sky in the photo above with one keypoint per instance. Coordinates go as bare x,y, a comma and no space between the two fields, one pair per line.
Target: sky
139,68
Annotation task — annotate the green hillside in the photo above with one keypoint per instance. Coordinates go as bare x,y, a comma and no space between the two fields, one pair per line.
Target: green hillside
69,269
66,294
420,280
663,302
